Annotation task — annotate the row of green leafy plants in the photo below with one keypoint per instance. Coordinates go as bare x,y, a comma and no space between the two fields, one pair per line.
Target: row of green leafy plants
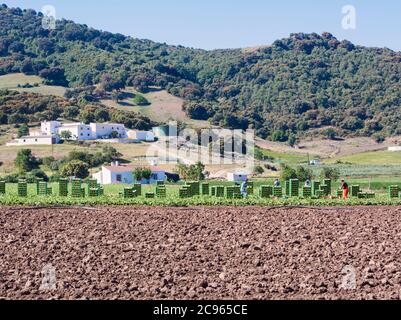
111,198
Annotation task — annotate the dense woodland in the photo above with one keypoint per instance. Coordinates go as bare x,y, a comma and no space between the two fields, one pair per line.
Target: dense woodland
302,83
21,108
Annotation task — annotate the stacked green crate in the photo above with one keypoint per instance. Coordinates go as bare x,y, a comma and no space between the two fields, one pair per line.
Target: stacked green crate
185,192
220,191
230,192
213,191
266,191
205,189
2,187
160,183
128,193
41,188
38,181
287,188
278,192
393,192
195,188
294,188
63,187
91,184
315,187
150,195
340,193
22,188
307,192
101,191
233,192
76,189
321,193
161,191
355,190
137,190
93,192
324,190
328,183
370,195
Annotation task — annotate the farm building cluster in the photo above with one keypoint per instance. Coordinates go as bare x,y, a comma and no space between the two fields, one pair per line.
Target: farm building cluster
52,132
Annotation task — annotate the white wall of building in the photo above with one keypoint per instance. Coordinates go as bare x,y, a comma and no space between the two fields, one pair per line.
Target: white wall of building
109,176
33,140
49,127
147,136
237,176
105,130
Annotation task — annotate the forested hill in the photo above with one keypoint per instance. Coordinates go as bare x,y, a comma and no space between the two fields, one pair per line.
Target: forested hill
305,82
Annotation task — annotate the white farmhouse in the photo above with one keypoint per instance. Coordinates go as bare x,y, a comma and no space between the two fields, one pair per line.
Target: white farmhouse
84,132
33,140
123,174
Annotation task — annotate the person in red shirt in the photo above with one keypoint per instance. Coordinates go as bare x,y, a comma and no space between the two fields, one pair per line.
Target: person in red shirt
345,188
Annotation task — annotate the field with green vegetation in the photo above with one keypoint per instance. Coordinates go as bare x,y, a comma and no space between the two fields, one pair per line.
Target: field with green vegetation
113,196
370,158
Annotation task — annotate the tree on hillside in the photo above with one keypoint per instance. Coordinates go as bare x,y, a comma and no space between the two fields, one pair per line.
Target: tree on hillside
54,76
75,168
330,134
140,100
23,131
26,161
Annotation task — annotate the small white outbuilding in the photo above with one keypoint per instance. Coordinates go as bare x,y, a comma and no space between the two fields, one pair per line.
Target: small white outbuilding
237,177
34,141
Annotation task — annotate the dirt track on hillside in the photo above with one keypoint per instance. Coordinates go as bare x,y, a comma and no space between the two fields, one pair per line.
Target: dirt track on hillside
201,253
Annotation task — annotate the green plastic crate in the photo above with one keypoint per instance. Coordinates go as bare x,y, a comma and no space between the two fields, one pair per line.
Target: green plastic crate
266,191
205,189
278,192
307,192
287,188
161,191
294,188
393,192
128,193
22,188
63,187
2,187
315,187
328,184
355,190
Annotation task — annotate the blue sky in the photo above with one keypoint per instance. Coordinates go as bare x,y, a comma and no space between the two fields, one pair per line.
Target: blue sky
211,24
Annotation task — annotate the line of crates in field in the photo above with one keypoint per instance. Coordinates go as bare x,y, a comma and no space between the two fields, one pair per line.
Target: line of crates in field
77,188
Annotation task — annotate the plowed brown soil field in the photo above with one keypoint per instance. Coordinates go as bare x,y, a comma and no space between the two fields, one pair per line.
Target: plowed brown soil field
200,253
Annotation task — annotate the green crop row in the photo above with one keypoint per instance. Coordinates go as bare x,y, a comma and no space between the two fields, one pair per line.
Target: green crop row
195,201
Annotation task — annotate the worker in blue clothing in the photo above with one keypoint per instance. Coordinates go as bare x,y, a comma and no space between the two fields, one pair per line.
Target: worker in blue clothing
244,189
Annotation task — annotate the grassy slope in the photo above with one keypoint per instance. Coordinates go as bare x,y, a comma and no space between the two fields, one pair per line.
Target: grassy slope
11,81
371,158
163,107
